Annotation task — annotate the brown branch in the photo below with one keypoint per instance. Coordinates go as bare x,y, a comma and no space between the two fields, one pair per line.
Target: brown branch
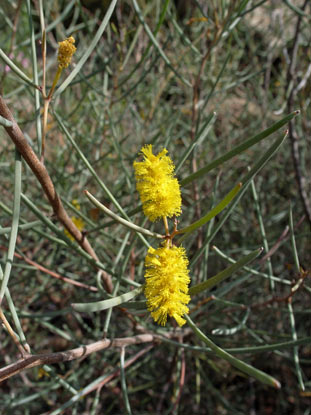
47,185
80,352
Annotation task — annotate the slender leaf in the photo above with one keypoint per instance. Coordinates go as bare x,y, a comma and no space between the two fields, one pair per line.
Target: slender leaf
226,273
89,50
239,149
15,222
246,181
105,304
117,218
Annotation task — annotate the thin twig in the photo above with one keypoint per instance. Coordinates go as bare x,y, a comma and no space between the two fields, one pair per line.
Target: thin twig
282,237
297,285
181,380
15,339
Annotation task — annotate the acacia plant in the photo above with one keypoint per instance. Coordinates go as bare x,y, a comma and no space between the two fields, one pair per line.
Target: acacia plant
149,249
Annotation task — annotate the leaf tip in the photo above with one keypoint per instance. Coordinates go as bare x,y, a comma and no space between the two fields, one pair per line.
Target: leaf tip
276,384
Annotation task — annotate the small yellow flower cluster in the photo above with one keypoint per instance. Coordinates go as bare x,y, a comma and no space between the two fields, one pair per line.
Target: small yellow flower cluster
76,220
167,280
65,51
159,190
167,275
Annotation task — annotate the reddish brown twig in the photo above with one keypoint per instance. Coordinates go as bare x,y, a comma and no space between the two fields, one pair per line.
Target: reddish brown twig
7,325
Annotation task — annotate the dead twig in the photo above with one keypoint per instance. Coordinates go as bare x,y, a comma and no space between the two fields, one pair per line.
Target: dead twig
7,325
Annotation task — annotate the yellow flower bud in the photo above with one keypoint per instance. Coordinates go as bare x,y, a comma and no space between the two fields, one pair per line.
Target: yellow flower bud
65,51
79,222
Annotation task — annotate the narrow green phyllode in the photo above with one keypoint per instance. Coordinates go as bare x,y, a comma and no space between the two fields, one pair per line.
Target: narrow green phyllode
158,188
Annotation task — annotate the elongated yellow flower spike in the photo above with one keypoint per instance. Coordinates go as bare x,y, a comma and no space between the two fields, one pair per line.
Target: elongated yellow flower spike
167,280
159,190
65,51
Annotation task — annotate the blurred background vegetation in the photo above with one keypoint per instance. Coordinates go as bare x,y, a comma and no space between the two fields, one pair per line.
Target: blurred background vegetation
175,74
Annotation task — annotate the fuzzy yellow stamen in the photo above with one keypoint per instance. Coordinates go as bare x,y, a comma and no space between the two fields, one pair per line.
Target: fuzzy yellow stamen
158,188
167,280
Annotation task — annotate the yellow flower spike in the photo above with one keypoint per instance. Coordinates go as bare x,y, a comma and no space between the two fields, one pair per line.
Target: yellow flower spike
167,280
65,51
158,188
